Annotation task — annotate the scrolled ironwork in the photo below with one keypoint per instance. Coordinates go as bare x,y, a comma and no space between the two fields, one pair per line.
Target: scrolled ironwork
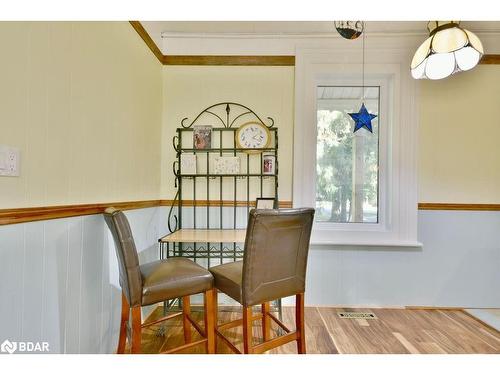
228,123
175,143
204,252
174,227
217,116
175,168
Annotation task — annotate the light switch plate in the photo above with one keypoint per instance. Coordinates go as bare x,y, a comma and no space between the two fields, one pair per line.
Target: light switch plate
9,161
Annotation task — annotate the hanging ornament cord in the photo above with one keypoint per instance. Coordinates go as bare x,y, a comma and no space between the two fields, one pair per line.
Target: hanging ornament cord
362,118
363,71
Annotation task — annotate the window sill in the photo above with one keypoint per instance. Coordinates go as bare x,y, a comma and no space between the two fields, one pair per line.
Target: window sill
396,243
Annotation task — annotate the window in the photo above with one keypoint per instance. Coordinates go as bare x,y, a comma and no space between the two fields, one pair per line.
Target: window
362,185
347,163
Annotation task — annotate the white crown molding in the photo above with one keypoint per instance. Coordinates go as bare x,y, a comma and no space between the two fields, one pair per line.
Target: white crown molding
288,44
311,35
300,30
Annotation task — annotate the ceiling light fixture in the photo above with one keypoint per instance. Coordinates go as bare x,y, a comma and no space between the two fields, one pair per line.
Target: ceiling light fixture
350,29
448,50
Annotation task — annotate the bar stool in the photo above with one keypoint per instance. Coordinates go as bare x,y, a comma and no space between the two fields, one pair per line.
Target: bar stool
274,266
155,282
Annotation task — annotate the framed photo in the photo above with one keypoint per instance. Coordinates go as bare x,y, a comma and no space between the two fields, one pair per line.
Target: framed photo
269,164
202,137
188,164
226,165
265,203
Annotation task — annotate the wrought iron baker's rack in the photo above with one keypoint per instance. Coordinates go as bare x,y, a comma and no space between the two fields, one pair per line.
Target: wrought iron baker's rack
224,117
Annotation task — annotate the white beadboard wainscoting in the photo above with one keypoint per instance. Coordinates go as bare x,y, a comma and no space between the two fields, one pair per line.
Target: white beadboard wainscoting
59,278
457,266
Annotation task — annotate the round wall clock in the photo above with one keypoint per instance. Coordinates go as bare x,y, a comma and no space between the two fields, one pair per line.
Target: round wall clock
253,135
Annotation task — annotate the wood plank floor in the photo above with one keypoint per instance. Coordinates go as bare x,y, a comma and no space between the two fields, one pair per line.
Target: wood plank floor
395,331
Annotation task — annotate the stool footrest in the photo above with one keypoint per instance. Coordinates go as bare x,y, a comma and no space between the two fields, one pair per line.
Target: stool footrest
273,343
227,342
185,346
161,319
237,322
196,326
280,323
267,344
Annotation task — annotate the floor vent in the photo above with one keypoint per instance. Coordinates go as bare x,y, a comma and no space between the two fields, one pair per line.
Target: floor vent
357,315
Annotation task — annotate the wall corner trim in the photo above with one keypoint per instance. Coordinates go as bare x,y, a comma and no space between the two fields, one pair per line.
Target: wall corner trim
147,39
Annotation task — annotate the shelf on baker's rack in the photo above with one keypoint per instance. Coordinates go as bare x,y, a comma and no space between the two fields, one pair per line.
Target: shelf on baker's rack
206,235
225,129
226,149
228,175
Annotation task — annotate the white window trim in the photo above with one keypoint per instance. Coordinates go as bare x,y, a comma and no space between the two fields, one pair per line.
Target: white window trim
398,142
344,79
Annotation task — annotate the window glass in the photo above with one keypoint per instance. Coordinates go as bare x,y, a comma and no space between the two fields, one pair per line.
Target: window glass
347,163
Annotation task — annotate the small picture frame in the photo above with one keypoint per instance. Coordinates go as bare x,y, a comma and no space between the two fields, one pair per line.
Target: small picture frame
188,164
265,203
202,137
227,165
269,164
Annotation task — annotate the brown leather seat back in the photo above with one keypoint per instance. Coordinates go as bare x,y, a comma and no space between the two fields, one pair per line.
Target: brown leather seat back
275,257
126,252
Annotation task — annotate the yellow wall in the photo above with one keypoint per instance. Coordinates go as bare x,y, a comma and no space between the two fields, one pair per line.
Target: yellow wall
269,91
459,152
459,157
82,101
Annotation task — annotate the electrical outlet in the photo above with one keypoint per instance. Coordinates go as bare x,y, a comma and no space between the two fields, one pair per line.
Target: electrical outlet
9,161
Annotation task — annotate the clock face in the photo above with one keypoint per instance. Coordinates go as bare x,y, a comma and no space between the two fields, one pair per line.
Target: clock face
253,135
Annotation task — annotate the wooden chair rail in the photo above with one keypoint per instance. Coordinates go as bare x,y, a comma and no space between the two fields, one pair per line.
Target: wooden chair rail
28,214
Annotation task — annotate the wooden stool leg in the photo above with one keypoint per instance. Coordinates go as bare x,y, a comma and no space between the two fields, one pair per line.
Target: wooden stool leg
216,317
247,329
123,326
266,321
186,310
209,320
136,330
299,321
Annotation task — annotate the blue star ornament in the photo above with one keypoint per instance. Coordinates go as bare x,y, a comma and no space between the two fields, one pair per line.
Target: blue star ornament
362,119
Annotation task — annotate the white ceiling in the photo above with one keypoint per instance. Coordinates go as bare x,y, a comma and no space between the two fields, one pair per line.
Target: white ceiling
188,37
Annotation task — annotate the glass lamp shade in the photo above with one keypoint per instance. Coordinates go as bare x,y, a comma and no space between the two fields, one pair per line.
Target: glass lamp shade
448,50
